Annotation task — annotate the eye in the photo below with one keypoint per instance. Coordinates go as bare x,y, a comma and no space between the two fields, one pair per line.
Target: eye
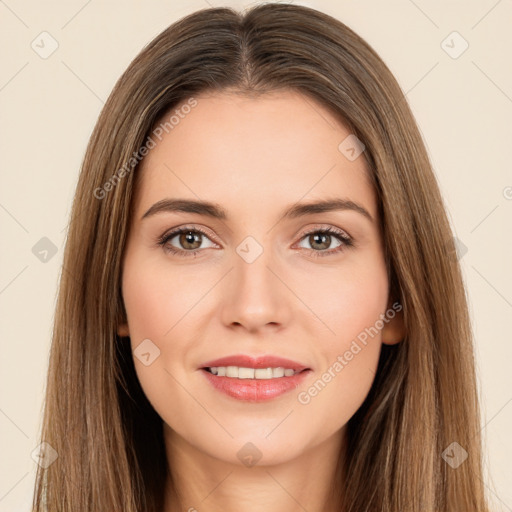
189,238
320,239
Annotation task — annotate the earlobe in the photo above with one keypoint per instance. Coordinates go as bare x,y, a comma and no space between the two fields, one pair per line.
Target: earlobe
394,330
122,323
123,331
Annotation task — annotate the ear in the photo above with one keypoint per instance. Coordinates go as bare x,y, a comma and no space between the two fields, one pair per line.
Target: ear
122,330
394,330
122,324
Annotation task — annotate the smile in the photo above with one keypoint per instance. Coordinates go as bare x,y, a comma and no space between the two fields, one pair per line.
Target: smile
236,372
254,378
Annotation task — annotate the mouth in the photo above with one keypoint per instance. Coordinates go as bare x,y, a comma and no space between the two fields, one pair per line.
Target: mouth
242,366
237,372
254,379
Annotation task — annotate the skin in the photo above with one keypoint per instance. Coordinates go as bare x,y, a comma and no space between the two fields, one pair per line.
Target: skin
255,157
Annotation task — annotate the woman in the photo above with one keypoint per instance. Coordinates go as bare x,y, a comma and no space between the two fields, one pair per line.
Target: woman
260,308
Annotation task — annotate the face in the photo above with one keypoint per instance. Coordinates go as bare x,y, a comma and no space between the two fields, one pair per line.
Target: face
256,280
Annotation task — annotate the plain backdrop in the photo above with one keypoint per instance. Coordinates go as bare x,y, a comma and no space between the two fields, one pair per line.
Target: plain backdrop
60,61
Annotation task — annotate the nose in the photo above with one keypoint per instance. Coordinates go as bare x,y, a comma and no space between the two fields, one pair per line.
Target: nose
255,296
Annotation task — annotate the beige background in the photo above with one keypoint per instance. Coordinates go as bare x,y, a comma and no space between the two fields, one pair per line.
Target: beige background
49,106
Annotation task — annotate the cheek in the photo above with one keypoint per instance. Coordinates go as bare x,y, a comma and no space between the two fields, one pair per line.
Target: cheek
349,339
156,302
155,298
345,300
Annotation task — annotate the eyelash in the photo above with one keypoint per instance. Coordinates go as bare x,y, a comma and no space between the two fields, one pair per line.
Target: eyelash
345,240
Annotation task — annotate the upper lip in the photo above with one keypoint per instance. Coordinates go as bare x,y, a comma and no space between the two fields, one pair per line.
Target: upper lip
247,361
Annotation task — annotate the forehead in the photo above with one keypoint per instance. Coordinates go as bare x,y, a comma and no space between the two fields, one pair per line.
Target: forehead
253,153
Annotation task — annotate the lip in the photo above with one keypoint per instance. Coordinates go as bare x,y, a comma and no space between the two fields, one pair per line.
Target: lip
255,390
247,361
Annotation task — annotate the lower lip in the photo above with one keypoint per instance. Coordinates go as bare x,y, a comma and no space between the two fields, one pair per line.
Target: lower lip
255,390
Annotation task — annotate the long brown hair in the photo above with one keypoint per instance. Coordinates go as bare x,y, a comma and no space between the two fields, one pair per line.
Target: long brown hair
108,438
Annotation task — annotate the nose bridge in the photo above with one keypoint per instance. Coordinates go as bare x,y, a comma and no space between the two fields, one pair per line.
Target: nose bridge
254,296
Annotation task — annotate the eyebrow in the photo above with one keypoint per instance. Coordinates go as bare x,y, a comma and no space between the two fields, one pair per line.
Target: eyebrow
215,211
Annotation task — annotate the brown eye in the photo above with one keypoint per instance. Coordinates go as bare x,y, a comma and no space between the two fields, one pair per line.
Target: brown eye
188,241
320,241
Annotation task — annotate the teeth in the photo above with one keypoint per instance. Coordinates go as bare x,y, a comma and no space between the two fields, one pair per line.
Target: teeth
243,373
237,372
263,373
